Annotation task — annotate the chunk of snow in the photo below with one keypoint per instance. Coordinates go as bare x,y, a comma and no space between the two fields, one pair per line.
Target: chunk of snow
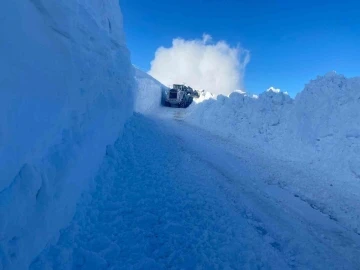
240,92
272,89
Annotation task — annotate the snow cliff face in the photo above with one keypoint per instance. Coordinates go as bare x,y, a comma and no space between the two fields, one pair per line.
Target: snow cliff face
320,128
327,108
326,116
243,117
66,90
149,93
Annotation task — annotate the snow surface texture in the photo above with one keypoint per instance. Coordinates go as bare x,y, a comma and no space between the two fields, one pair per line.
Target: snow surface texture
164,199
66,90
319,129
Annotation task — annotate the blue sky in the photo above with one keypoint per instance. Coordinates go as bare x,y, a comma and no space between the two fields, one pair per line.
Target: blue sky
290,42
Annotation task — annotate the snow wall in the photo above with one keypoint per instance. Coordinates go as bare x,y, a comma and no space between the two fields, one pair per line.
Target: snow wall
66,89
320,129
150,92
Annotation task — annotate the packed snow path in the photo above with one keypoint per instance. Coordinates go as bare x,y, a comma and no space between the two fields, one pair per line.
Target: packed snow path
169,196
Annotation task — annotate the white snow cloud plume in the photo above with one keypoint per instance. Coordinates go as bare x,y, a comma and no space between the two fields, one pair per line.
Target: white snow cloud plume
201,63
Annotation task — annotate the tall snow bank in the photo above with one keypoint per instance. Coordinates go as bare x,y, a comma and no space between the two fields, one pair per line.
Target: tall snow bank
243,117
66,89
320,128
150,93
326,116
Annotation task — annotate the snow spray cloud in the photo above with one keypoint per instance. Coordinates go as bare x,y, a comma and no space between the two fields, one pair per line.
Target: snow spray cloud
202,64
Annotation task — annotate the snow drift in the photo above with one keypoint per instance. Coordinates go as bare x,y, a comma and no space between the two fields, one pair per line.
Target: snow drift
320,129
66,90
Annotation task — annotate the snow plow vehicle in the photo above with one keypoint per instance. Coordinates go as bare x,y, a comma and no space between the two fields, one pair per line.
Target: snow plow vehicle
180,95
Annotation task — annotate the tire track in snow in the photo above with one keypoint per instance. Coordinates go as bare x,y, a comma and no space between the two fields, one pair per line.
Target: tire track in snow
298,239
157,205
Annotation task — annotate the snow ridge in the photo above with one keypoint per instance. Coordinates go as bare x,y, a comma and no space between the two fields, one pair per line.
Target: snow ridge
320,128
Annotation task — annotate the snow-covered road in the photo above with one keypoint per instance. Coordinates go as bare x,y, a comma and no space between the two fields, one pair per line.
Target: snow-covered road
170,196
